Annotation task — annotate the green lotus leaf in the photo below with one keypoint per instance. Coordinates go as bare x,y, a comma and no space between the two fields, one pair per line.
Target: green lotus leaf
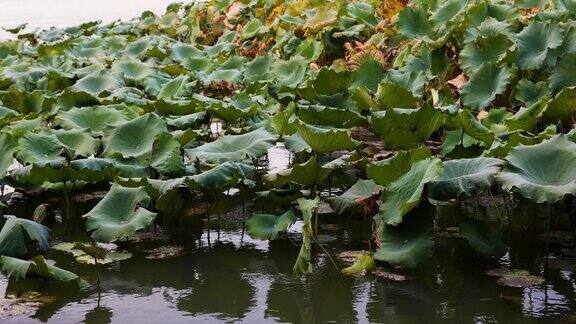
290,74
25,102
563,74
258,69
267,227
78,141
325,140
296,144
119,214
364,262
482,238
562,107
164,192
472,127
40,149
447,12
410,243
484,51
391,95
526,118
17,269
487,82
230,112
542,172
389,170
405,193
306,174
534,41
254,144
134,138
172,88
90,254
406,128
221,177
363,13
413,23
252,28
510,140
17,234
353,201
186,121
9,146
283,121
132,69
165,157
94,119
310,49
303,264
328,116
95,83
368,74
280,197
529,92
464,176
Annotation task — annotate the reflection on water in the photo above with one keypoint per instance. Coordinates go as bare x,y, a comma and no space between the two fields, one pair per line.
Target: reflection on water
238,279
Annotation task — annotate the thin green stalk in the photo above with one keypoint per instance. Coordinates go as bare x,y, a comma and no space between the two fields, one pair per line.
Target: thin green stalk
328,254
494,204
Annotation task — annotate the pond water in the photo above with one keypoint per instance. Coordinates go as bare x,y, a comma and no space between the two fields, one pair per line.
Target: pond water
225,276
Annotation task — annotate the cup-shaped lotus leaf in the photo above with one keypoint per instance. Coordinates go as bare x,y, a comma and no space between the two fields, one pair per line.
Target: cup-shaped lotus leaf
17,269
411,242
267,226
94,119
542,172
19,235
358,200
119,214
464,176
388,170
254,144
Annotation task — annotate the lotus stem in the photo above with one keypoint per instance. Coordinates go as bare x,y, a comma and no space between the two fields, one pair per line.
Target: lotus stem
548,217
328,254
495,205
507,209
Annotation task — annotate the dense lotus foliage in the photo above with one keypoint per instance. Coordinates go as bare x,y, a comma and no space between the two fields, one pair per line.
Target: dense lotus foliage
397,105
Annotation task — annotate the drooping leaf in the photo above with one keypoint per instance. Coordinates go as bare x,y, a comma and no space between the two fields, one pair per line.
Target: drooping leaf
17,234
405,193
119,214
487,82
17,269
482,238
303,264
267,226
356,200
388,170
326,140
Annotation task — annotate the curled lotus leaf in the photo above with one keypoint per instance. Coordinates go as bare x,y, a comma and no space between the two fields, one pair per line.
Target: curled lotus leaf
356,200
221,177
17,269
464,176
405,193
267,226
388,170
303,264
94,119
254,144
542,172
17,234
484,84
119,214
306,174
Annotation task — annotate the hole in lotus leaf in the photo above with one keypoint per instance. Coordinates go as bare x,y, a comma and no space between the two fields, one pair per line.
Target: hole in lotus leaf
165,252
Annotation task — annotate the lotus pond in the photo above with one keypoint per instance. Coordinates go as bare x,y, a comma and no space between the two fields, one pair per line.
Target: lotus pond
292,161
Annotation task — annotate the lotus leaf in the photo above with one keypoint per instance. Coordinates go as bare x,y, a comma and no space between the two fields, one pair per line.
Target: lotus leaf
18,232
464,176
355,201
17,269
326,140
542,172
267,227
303,264
482,238
119,214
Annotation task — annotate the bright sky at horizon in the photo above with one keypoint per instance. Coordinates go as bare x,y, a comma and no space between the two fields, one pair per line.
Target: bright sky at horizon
64,13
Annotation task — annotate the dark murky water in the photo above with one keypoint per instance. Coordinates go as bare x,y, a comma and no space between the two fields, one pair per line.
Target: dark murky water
227,276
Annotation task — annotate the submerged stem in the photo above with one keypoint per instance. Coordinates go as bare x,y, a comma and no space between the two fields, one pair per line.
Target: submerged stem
328,254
